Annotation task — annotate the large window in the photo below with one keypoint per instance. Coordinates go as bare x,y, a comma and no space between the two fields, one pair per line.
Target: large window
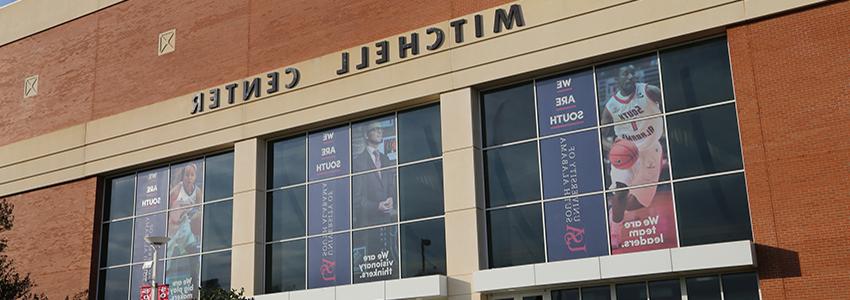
738,286
356,203
633,155
190,202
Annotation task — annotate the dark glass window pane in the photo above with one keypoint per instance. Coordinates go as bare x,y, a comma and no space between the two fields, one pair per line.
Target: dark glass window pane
181,275
285,266
704,141
696,74
512,174
374,198
665,290
116,239
374,254
743,286
532,298
218,225
421,189
215,270
119,201
515,236
632,291
423,248
508,114
628,89
596,293
419,134
219,177
571,294
114,283
287,162
713,210
703,288
286,213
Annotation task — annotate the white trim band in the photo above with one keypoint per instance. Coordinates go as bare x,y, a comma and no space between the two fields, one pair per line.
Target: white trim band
433,286
684,259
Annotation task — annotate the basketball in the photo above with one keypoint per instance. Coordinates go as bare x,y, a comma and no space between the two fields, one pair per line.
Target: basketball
623,154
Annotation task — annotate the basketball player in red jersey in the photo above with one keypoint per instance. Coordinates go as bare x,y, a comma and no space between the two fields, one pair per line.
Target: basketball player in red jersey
633,101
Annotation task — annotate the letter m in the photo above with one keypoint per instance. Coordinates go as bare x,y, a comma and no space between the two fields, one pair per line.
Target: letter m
507,20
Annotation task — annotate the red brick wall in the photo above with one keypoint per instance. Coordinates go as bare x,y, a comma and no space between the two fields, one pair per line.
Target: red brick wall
106,62
51,237
792,81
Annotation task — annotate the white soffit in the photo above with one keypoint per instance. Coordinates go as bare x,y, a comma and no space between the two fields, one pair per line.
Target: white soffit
684,259
418,287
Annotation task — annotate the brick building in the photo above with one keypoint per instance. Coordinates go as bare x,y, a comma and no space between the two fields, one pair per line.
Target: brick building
647,149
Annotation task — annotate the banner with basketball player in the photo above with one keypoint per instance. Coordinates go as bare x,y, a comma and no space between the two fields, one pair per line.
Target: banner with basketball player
181,275
641,219
634,154
575,227
328,261
566,102
629,89
184,221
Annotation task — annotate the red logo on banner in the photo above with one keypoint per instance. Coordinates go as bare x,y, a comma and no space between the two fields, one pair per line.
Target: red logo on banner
574,238
162,292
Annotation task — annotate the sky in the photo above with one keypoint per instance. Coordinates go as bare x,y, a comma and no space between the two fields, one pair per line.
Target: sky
4,2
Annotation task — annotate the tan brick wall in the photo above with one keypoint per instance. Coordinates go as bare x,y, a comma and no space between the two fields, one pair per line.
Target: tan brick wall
106,62
792,81
52,237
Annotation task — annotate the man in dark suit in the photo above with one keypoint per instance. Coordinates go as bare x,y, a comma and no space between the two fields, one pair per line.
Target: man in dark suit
374,192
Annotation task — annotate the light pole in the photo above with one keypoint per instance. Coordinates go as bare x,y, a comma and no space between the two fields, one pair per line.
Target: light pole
155,242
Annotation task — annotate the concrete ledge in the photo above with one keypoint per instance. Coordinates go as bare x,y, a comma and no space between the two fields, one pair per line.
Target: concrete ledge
722,255
419,287
503,278
575,270
636,264
648,263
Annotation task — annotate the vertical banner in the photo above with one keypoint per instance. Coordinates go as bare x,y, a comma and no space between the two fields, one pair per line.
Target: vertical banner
184,229
629,89
146,293
162,292
575,228
571,164
149,225
640,225
374,144
182,278
328,261
374,198
187,184
151,191
327,206
375,254
328,153
566,102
